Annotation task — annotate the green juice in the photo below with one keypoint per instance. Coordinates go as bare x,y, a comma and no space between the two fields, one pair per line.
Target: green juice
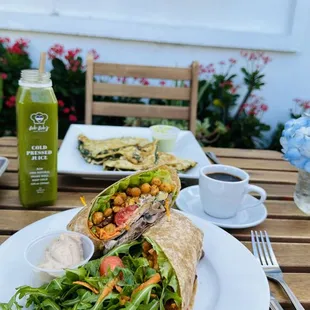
37,130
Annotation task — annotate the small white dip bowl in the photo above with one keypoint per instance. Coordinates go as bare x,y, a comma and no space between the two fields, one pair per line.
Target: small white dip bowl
166,136
35,253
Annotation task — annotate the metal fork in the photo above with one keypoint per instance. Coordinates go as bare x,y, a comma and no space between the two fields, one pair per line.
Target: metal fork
263,251
274,304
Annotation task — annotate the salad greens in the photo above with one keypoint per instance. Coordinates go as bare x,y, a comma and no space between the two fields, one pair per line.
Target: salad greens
132,288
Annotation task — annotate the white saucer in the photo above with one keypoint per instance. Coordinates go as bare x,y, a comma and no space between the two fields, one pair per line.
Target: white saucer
189,202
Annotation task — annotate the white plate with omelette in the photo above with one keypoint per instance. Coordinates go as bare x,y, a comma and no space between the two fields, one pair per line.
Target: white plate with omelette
92,151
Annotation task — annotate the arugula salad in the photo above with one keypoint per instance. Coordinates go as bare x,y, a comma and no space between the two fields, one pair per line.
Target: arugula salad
132,276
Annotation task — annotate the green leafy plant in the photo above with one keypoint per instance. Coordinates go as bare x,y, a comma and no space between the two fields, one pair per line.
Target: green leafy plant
14,57
68,77
222,120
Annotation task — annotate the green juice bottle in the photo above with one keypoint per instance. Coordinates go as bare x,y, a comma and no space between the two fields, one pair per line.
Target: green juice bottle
37,131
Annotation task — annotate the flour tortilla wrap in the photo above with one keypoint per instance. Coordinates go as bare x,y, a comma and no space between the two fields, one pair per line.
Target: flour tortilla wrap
181,242
150,209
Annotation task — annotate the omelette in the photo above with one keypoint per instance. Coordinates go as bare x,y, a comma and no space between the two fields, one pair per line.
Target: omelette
129,154
95,151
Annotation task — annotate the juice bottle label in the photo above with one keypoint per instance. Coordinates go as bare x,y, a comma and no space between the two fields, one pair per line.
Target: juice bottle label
39,152
37,145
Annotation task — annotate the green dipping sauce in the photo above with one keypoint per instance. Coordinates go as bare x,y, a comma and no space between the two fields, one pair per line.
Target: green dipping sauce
37,130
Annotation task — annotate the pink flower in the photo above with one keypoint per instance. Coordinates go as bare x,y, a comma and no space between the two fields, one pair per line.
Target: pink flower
72,108
252,111
202,69
61,103
16,49
22,42
72,53
4,40
57,50
72,118
74,65
10,103
232,61
144,82
253,56
222,62
66,110
94,53
162,83
264,107
244,53
266,59
234,89
3,76
226,83
297,100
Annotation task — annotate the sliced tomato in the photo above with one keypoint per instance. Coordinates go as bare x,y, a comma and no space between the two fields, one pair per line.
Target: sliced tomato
110,263
122,216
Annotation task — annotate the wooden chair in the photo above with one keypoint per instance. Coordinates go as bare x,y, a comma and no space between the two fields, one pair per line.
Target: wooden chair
139,91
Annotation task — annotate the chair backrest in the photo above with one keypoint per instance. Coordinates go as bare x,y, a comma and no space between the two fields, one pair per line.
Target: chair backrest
94,88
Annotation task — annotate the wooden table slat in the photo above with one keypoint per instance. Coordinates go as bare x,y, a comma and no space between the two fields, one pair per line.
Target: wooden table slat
279,230
71,183
292,257
66,200
243,153
247,164
9,144
9,199
3,238
258,164
299,284
299,230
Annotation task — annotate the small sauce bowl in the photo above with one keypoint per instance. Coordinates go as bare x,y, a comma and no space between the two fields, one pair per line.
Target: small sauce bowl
166,136
35,253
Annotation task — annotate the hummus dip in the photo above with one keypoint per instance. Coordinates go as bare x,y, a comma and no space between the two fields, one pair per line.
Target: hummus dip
64,252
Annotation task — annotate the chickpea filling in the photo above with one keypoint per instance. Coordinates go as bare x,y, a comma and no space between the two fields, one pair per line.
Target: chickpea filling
111,222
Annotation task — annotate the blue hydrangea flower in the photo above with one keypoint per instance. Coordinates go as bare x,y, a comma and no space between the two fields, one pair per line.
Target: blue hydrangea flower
295,142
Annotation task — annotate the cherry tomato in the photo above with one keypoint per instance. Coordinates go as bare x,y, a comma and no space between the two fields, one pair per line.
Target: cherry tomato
122,216
110,263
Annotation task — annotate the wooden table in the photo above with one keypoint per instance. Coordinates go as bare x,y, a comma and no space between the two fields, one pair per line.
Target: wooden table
288,227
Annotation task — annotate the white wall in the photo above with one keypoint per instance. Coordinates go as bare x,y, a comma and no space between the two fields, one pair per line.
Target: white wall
174,33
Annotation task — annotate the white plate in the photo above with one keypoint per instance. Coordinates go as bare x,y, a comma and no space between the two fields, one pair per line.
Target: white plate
229,277
70,160
189,202
3,165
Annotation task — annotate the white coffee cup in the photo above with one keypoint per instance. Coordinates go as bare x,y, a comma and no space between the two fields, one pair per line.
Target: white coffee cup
224,199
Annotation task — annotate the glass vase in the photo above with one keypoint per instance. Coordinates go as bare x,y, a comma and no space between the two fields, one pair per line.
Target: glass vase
302,191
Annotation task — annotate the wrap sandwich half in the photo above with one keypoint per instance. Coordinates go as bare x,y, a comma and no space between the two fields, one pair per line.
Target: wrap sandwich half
124,210
155,272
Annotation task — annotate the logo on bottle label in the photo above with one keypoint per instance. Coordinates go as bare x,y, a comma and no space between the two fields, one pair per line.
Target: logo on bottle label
39,119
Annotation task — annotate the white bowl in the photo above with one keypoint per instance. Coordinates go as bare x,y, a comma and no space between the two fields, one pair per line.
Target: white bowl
34,254
166,136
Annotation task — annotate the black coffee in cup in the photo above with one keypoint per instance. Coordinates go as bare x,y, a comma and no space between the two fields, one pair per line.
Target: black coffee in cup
221,176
